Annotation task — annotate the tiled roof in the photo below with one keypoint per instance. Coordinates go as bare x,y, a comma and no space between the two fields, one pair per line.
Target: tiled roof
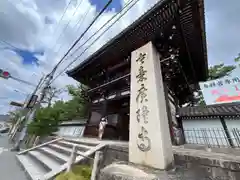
74,122
228,109
148,27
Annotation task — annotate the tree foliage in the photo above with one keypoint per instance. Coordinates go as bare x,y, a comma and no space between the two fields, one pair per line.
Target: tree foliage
47,119
53,93
78,106
219,71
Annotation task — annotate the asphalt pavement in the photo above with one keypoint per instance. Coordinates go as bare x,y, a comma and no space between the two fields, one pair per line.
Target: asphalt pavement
9,168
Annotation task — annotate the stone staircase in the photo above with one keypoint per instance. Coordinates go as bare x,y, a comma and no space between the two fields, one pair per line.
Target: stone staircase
47,160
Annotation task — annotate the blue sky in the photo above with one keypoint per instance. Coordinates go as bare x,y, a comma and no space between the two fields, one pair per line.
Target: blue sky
116,4
27,57
221,14
212,16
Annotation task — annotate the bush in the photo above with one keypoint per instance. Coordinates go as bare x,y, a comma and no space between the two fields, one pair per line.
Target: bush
78,172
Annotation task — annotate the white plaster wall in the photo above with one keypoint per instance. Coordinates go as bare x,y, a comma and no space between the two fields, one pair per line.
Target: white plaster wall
233,126
204,132
233,123
70,131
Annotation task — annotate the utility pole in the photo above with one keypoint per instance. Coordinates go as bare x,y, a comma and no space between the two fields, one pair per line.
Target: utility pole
24,109
28,119
30,115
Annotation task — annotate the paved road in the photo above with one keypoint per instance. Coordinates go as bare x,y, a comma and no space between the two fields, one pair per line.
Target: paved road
9,169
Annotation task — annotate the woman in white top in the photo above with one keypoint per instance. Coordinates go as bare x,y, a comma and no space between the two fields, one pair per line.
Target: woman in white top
102,126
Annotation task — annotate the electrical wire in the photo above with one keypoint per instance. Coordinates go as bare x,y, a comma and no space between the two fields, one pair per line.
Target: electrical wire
7,43
75,59
12,46
81,36
58,24
126,5
66,26
80,22
22,81
15,78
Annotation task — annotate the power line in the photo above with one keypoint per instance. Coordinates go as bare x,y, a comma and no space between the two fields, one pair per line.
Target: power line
94,41
65,10
81,36
66,26
49,77
126,5
80,22
7,43
22,81
82,19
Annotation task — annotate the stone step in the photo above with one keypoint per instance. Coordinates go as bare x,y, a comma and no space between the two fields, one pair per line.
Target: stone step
60,149
64,150
34,171
79,159
45,160
48,160
68,144
62,158
89,143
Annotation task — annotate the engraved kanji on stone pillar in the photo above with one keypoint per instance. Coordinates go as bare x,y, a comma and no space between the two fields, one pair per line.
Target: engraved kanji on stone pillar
150,142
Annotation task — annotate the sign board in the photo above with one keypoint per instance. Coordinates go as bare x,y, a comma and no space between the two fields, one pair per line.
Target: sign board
13,103
222,90
32,101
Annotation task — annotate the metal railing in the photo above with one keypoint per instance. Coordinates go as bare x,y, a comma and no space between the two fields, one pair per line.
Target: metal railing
213,137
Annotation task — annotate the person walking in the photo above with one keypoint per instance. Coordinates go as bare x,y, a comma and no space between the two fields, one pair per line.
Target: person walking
102,125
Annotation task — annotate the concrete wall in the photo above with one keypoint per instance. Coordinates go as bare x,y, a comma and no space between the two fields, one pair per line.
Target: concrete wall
70,131
189,164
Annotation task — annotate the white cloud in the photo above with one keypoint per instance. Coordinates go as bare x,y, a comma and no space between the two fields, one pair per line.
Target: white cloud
23,25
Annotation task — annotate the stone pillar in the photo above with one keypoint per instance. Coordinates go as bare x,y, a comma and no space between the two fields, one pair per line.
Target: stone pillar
149,142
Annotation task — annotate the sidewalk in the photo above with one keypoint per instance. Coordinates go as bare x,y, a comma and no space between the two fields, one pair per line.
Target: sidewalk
9,168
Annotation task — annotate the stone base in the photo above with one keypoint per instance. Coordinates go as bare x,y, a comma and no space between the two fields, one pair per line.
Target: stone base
127,171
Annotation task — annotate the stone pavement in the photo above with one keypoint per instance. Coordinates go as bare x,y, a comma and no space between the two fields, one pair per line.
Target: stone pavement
9,168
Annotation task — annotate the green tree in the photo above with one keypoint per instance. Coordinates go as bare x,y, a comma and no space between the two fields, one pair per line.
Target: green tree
219,71
78,106
53,92
237,59
47,119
